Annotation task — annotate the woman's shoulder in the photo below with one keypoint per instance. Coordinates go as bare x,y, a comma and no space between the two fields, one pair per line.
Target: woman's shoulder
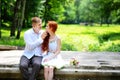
58,37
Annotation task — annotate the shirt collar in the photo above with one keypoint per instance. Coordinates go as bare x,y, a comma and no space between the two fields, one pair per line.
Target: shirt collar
34,32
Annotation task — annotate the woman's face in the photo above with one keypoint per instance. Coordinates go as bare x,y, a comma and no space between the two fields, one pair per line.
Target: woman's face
48,29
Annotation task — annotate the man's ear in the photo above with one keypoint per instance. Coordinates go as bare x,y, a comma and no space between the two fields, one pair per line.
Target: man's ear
33,24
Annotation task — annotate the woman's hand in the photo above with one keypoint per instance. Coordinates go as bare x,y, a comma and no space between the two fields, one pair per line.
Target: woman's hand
45,60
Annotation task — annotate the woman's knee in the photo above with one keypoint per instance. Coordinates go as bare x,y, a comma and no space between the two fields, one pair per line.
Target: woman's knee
46,68
51,69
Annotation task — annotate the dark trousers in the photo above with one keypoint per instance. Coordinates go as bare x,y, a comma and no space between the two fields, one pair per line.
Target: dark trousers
35,63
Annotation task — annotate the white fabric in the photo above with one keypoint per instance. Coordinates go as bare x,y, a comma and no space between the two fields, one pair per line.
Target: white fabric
56,62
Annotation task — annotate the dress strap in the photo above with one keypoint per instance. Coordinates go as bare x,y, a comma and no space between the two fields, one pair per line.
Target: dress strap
56,38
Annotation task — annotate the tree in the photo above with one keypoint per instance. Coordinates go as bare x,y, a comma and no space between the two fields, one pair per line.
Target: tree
18,17
87,13
76,4
6,11
53,10
69,13
15,19
0,18
21,18
106,8
115,15
33,8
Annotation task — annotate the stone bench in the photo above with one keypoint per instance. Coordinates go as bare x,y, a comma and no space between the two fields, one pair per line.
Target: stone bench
7,47
93,66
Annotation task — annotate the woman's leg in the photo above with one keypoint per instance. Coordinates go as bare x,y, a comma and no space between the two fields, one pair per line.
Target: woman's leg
51,69
46,72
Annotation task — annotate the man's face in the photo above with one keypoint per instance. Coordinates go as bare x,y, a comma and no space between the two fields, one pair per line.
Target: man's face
37,26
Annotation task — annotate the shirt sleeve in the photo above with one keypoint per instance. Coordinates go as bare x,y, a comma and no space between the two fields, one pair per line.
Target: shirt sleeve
30,45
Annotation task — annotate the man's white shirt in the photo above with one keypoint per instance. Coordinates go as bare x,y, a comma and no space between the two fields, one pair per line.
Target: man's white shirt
33,43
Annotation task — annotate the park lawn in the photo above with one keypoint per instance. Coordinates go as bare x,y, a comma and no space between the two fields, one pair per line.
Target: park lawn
79,38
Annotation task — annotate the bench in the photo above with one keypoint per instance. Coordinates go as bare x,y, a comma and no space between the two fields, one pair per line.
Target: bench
93,66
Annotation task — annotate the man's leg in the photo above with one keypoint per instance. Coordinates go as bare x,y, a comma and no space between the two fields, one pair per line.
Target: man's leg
24,62
36,63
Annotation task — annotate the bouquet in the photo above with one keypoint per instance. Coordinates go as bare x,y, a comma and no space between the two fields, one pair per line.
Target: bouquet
74,62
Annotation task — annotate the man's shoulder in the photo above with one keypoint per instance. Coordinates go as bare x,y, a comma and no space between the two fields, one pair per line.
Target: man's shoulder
28,31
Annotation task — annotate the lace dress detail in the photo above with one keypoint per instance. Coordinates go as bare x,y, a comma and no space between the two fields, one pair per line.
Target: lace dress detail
57,61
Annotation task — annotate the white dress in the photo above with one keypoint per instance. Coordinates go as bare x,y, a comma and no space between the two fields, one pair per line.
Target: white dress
57,61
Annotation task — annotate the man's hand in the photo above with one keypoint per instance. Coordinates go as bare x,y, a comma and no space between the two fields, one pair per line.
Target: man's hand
44,34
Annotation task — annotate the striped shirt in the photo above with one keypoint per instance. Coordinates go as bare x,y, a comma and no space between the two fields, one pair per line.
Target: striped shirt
33,43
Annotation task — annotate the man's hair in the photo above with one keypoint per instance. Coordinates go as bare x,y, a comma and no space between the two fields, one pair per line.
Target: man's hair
36,20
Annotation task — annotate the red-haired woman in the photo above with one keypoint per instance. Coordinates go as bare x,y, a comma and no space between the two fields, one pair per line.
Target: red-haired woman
51,45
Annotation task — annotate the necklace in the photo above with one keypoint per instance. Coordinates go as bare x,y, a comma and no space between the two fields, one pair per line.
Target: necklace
52,39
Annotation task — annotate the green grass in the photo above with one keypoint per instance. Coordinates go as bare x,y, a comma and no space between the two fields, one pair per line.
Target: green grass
79,38
87,38
6,40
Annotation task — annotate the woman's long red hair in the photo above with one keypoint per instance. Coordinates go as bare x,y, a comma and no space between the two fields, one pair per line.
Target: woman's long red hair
53,26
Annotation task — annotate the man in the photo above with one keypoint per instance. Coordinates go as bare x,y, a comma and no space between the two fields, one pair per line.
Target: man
32,53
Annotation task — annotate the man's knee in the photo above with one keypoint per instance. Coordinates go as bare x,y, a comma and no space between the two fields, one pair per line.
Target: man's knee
37,64
23,65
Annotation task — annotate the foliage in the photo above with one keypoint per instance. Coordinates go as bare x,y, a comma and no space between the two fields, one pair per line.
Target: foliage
7,7
33,8
69,13
53,10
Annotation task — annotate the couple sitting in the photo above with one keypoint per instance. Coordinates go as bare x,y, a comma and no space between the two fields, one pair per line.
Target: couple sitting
42,48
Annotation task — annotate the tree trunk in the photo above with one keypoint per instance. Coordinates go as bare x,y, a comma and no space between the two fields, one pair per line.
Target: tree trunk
0,29
0,26
107,21
15,18
46,17
21,18
0,20
101,21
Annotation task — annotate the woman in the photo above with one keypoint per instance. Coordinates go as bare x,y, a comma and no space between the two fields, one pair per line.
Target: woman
52,46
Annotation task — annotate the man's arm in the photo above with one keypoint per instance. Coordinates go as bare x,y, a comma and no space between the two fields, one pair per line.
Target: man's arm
30,44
